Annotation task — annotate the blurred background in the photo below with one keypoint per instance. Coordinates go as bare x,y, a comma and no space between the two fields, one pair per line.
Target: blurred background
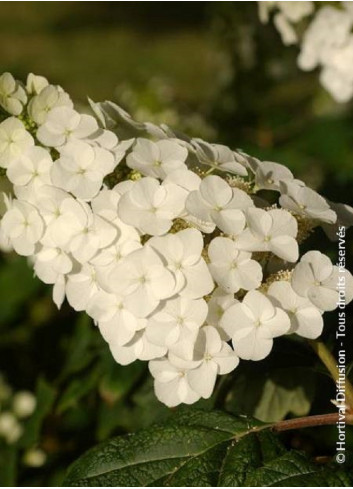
209,69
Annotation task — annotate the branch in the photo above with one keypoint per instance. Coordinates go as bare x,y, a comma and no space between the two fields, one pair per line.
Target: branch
310,421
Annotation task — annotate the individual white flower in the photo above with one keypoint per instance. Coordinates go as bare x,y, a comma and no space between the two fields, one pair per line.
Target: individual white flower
64,216
139,348
34,457
344,214
182,251
24,227
157,159
48,98
106,206
35,84
54,259
89,232
14,141
268,175
215,357
81,287
219,157
172,386
12,94
108,140
31,168
306,202
64,124
142,278
176,323
116,323
306,320
231,268
317,279
217,204
48,275
189,181
217,305
81,169
273,230
184,178
151,207
10,429
24,403
252,325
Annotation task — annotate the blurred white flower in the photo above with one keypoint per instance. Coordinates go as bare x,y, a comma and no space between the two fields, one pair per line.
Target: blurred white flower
34,457
24,404
10,429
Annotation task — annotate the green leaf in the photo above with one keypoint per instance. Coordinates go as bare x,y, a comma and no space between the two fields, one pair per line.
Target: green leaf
197,448
270,397
79,351
45,395
78,388
285,392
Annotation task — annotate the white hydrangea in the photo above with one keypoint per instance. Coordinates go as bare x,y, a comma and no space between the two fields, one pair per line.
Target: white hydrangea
171,261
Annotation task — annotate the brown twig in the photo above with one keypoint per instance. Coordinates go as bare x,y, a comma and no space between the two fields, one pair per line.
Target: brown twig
310,421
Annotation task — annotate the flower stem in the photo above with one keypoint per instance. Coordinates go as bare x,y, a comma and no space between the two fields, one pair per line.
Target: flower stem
310,421
331,364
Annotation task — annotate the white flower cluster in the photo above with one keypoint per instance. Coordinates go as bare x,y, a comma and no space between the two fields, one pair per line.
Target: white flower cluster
167,243
327,41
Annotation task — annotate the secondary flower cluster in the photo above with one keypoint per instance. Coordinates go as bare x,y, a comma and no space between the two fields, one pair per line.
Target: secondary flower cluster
167,243
327,41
